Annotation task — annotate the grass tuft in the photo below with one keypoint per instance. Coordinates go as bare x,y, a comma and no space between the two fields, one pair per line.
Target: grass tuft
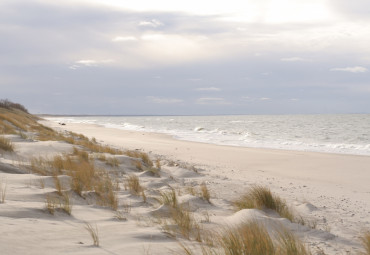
205,192
6,144
249,238
140,155
62,203
261,198
132,183
288,244
94,233
112,161
169,198
365,239
106,191
3,187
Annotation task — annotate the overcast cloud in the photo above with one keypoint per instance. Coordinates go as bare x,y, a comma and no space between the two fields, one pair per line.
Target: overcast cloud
193,57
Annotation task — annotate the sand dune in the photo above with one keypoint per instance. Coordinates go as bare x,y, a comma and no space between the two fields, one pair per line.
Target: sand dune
329,191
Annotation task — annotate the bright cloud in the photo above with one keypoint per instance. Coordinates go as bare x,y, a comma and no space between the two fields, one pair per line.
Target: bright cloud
208,89
89,63
161,100
211,100
295,59
124,39
354,69
151,23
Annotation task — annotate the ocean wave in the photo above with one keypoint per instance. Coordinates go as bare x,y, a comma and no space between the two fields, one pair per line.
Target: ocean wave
322,133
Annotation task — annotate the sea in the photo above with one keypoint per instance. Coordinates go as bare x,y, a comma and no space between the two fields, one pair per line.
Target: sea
345,134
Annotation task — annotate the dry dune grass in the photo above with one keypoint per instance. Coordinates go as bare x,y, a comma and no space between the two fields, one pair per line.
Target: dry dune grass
94,233
169,198
106,189
132,184
3,187
6,144
181,221
205,192
84,177
140,155
261,198
250,238
365,239
61,202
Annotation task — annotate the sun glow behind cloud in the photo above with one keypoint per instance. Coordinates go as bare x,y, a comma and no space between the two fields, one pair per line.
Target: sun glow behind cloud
269,11
198,55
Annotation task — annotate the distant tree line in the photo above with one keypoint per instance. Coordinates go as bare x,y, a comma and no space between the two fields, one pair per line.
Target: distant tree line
5,103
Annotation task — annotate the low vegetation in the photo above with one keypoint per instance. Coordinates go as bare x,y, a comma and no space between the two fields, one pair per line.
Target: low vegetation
365,239
84,177
261,198
140,155
62,203
205,192
250,238
6,144
80,173
5,103
94,233
132,184
3,187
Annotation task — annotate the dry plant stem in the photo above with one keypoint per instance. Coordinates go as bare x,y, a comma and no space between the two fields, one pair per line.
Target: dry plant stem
365,239
94,233
3,187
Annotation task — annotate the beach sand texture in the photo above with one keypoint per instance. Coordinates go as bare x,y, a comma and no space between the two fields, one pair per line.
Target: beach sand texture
330,191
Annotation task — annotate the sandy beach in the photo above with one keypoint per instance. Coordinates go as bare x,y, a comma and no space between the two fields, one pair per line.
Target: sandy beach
330,188
329,191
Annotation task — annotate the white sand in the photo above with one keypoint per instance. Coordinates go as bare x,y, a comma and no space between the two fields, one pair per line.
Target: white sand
329,189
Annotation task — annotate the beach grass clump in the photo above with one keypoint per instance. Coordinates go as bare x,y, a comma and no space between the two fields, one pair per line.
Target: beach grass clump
58,185
3,187
261,198
94,233
289,244
112,162
140,155
59,203
105,189
204,192
249,238
132,184
40,165
81,154
82,174
365,240
169,198
183,220
6,144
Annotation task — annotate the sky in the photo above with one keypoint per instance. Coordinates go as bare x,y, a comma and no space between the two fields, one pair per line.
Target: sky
189,57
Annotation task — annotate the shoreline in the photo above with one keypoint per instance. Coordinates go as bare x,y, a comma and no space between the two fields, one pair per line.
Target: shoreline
210,137
327,193
336,170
